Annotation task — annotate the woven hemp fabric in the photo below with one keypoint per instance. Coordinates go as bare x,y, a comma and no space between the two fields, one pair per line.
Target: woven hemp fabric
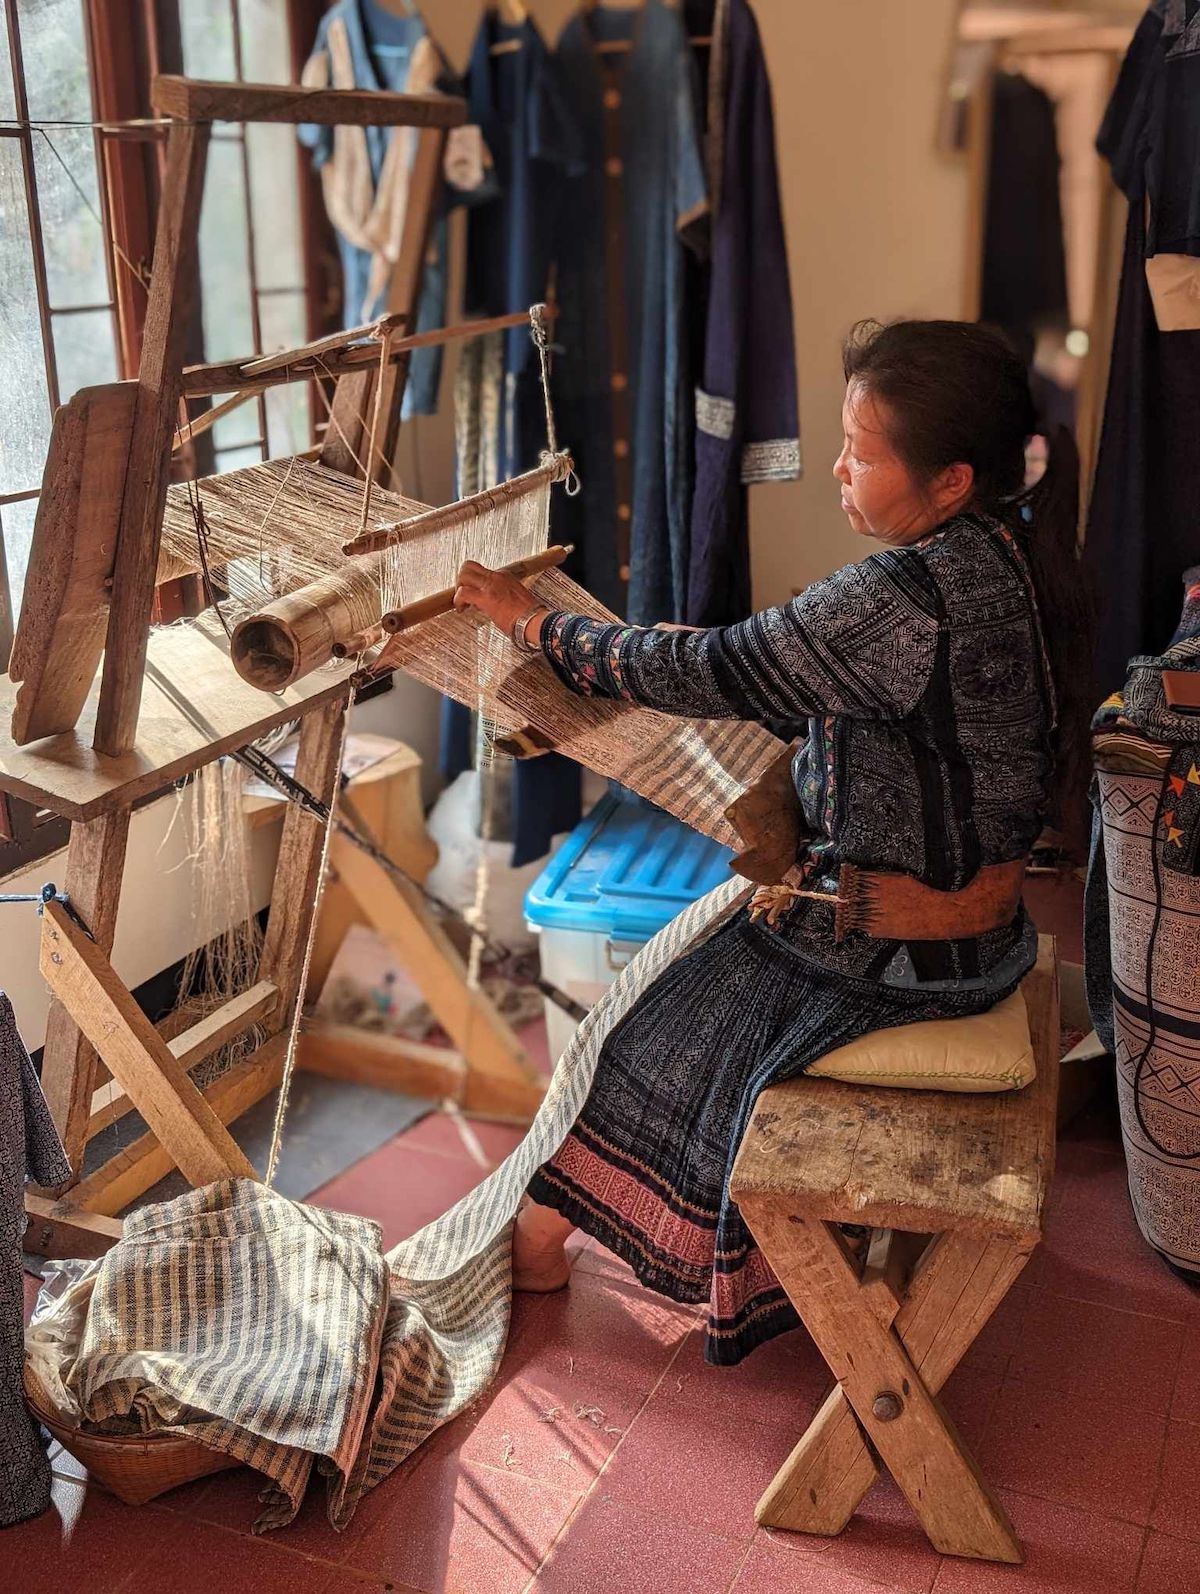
280,1334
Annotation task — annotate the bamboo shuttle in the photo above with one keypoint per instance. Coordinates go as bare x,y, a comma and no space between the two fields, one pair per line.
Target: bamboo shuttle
442,602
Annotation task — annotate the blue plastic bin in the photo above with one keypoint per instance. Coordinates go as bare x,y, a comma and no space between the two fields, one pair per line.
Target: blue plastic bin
624,872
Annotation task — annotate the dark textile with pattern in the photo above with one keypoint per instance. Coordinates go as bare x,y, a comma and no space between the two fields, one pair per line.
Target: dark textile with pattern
927,693
1142,936
29,1148
646,1167
924,680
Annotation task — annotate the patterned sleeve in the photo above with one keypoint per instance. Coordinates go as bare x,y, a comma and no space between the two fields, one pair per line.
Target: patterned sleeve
860,643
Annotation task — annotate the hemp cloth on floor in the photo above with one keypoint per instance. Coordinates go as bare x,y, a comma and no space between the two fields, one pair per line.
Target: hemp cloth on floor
245,1321
280,1334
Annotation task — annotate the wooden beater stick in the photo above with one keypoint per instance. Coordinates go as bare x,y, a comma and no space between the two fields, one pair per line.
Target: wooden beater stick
442,602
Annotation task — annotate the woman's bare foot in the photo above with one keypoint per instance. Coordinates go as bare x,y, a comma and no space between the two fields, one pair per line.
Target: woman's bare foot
539,1258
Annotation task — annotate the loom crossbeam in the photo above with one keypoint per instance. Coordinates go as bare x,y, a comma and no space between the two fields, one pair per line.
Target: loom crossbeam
188,663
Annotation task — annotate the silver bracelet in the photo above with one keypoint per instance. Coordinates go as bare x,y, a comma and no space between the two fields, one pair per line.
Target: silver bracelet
518,630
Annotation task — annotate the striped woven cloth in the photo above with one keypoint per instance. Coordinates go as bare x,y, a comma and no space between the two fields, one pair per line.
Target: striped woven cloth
280,1334
245,1321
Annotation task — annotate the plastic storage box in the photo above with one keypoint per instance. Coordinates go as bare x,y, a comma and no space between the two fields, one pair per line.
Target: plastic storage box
624,872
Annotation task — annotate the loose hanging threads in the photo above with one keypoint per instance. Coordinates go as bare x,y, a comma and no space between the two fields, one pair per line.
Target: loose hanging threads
289,1060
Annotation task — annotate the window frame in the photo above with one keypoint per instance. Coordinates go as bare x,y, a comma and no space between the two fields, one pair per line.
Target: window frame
127,42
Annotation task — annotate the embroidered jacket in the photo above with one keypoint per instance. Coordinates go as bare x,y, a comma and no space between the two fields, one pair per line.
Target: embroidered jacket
923,679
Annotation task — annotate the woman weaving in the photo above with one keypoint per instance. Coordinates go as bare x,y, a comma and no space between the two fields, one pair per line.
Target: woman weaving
928,676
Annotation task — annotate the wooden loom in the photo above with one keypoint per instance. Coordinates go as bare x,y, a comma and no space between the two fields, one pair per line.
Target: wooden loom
166,703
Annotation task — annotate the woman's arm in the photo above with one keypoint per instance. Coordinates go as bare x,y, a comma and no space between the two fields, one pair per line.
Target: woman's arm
860,643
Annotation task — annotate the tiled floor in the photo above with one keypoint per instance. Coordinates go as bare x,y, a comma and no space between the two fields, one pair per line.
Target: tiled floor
609,1457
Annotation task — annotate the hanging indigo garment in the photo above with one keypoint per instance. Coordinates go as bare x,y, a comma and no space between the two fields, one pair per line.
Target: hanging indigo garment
1144,521
1024,253
747,427
517,100
518,104
360,44
29,1148
623,378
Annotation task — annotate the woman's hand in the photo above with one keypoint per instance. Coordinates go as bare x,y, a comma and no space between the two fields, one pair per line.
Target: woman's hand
496,594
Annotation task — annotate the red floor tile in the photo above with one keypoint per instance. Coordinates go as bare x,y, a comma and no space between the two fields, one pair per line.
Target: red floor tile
534,1039
970,1396
1075,1449
1177,1508
1066,1552
442,1132
230,1501
1169,1566
993,1347
220,1562
1122,1357
401,1189
703,1466
1186,1401
782,1382
607,1546
451,1529
782,1564
883,1543
87,1543
1093,1250
574,1377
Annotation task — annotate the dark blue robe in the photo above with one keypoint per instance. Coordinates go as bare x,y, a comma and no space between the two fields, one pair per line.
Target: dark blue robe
747,426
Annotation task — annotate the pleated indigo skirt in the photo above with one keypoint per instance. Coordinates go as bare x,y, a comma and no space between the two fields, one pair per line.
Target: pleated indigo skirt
645,1170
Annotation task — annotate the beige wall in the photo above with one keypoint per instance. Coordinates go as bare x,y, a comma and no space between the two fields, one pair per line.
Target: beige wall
875,218
875,222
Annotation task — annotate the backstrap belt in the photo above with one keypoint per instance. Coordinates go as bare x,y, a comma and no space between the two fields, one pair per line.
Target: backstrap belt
897,907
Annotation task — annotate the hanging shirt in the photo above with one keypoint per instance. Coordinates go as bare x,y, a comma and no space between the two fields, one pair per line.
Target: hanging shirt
623,379
516,99
361,45
1024,254
746,407
1144,518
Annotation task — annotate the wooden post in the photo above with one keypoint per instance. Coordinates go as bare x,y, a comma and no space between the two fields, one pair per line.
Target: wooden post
876,1374
499,1077
297,873
185,1125
95,864
172,287
960,1282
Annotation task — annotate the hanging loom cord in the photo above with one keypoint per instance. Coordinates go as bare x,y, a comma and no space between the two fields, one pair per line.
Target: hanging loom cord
552,457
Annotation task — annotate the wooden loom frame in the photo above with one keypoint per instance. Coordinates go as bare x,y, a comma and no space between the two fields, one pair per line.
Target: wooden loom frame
95,1028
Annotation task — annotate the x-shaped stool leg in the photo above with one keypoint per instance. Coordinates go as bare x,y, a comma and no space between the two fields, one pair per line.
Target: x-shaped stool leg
890,1356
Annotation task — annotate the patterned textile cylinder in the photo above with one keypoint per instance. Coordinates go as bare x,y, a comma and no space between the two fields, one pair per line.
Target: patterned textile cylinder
1148,802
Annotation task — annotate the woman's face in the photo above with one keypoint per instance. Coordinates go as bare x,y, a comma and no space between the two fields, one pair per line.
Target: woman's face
880,497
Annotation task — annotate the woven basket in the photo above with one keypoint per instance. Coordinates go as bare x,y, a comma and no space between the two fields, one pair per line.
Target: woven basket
134,1469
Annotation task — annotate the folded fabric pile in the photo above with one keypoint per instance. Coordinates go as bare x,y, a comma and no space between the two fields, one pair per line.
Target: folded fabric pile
247,1322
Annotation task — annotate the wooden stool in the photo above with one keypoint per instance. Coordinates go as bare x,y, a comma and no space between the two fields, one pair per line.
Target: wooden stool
953,1187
